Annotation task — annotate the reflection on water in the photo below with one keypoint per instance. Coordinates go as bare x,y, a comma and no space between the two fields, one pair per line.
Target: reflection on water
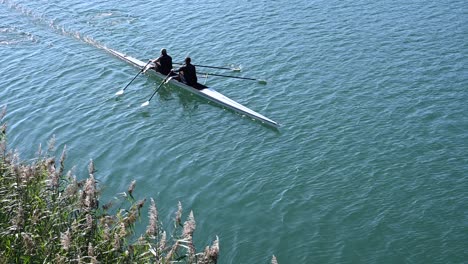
188,100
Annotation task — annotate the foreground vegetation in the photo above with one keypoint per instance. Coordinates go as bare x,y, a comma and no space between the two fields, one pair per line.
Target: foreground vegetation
48,216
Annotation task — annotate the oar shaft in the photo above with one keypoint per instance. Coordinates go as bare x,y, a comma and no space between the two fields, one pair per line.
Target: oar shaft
159,87
213,67
206,66
137,75
228,76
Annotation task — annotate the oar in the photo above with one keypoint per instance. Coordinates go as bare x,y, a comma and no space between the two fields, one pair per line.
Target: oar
163,82
214,67
236,77
122,91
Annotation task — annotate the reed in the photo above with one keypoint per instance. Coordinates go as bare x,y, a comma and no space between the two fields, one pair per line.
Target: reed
48,216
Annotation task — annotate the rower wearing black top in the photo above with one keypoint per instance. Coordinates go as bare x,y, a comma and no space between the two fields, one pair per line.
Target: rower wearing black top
188,74
163,63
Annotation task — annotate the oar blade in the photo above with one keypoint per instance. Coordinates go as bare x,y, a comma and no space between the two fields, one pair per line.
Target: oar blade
167,80
262,81
236,68
122,91
145,104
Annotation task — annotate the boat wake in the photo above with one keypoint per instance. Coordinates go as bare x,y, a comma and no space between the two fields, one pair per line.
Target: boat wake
51,23
14,35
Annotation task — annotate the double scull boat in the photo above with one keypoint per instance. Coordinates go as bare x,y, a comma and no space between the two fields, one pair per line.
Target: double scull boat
207,93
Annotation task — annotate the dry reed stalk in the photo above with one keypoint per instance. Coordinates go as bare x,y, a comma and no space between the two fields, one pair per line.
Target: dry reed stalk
53,176
3,128
51,144
140,204
28,241
106,233
90,249
62,161
89,221
131,188
2,146
171,253
26,172
210,255
152,228
39,151
130,219
91,169
18,221
89,194
178,214
72,187
162,242
36,214
65,239
107,206
116,242
15,163
189,226
214,251
59,258
3,112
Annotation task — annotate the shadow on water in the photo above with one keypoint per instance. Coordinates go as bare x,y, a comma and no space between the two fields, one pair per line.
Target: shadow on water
145,113
188,101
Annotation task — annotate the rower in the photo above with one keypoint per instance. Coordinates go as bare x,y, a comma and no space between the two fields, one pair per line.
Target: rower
188,75
163,64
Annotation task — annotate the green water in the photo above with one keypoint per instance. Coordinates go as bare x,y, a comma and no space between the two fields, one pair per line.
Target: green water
369,166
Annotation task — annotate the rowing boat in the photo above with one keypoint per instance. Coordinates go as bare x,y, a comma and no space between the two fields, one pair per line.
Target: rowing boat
207,93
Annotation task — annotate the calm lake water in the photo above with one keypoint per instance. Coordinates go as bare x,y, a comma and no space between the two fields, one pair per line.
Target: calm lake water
370,164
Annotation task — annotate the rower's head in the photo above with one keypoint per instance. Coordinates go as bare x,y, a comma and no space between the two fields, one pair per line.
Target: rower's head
163,52
188,60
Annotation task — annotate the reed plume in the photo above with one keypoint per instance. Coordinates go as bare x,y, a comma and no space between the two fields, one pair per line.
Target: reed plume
39,151
152,228
62,161
187,235
91,169
172,252
65,240
71,189
89,195
162,242
214,251
133,213
210,255
28,242
51,144
189,226
18,221
178,214
89,221
3,112
131,188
